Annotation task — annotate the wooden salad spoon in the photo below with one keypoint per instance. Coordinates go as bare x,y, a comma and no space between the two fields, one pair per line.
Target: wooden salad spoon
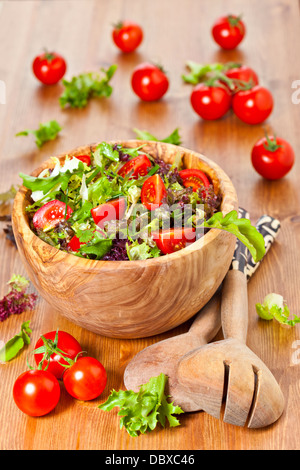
227,371
163,357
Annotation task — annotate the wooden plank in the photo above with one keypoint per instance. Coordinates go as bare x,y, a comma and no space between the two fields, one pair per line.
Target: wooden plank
174,33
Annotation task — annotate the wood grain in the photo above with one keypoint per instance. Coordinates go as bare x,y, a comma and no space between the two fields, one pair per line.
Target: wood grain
270,47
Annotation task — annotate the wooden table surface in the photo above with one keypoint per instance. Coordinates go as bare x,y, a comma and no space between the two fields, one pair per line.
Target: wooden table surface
175,31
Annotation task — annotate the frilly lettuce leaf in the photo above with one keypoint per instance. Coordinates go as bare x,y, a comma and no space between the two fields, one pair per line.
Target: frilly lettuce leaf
46,131
141,411
275,307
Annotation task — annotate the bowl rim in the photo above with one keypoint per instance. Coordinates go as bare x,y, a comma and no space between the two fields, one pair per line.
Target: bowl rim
210,237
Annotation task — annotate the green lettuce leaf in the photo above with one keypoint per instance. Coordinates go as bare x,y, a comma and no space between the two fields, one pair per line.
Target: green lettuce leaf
274,307
46,131
7,195
96,246
137,251
174,138
141,411
15,344
242,229
36,183
85,86
199,71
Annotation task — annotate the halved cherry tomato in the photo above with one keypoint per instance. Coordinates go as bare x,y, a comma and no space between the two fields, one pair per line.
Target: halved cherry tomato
49,215
153,191
127,36
84,158
174,239
85,379
75,244
66,343
139,165
110,210
36,392
194,178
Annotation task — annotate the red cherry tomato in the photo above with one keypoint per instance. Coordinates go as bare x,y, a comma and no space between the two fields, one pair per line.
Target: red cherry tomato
228,31
194,178
210,102
174,239
49,215
75,244
253,106
85,379
110,210
139,165
127,36
36,392
84,158
153,191
66,343
242,74
49,68
149,82
272,157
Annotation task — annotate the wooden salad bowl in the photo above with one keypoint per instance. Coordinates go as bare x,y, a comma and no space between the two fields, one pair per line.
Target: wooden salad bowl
130,299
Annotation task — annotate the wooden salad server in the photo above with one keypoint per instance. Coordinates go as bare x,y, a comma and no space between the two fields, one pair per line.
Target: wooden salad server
227,371
162,357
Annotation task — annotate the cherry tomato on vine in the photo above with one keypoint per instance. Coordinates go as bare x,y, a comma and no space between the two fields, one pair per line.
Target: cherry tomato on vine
149,82
36,392
85,379
191,177
50,214
253,106
65,343
153,191
210,102
139,165
49,68
228,31
242,74
174,239
272,157
127,36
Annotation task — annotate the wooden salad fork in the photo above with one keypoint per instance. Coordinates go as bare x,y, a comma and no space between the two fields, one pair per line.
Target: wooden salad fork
227,371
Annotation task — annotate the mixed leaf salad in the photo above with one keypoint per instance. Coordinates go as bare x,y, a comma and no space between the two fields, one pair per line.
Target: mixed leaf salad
118,203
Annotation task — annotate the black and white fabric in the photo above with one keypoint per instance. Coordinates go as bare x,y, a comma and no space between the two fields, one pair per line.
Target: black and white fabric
242,259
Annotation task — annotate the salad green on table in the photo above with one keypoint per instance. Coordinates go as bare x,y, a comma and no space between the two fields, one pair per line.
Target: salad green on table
121,204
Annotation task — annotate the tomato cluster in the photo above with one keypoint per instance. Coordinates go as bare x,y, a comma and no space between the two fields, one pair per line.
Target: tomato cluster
237,89
58,356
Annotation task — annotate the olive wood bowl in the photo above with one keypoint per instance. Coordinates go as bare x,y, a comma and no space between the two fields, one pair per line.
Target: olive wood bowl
130,299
